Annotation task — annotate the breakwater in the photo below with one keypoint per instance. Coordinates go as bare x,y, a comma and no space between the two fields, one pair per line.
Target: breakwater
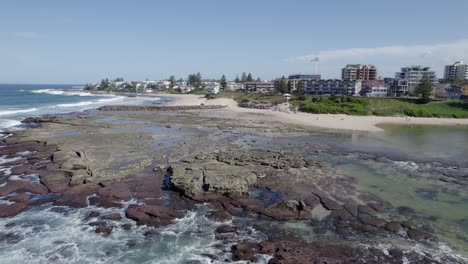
159,108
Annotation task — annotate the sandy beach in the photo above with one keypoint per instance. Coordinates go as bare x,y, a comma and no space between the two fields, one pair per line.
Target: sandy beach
329,121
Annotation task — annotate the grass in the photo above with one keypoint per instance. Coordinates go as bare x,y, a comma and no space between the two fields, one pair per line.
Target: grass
359,106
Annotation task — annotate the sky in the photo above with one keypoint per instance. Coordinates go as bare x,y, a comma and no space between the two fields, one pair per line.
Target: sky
76,42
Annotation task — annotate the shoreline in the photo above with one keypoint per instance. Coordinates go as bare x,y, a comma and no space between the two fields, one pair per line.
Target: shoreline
206,142
328,121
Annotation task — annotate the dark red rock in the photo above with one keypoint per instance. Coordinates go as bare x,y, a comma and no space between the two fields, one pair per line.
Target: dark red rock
279,213
219,216
245,252
394,226
76,196
23,198
121,191
113,217
150,233
21,169
93,214
152,215
126,226
23,186
8,210
108,202
418,235
14,163
371,220
226,229
364,209
104,230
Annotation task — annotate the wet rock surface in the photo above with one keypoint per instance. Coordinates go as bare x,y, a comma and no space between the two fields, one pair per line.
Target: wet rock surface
238,180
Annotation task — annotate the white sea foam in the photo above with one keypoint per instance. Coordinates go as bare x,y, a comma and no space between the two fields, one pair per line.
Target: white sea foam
16,111
4,159
64,92
408,165
48,234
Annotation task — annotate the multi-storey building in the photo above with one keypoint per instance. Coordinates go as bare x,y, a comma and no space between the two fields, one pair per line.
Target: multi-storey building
331,87
458,70
259,87
294,79
360,72
407,80
374,88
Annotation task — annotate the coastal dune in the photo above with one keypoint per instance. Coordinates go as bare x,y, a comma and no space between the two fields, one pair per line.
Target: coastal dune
329,121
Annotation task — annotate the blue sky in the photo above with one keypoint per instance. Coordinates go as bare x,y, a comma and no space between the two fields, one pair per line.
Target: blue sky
84,41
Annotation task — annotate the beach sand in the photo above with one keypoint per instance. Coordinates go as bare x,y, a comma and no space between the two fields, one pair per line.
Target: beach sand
329,121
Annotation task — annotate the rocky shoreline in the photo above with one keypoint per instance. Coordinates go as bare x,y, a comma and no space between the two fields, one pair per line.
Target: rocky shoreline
290,187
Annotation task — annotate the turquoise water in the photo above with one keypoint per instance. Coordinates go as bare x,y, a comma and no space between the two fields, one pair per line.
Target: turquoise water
423,175
18,101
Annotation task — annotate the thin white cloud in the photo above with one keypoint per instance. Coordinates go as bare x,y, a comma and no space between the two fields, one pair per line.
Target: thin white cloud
447,52
26,34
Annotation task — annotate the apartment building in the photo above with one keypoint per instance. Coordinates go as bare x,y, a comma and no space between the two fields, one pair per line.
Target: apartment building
359,72
259,87
331,87
407,80
294,79
458,70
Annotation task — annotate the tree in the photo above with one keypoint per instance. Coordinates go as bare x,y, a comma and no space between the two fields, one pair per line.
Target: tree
198,81
223,82
172,79
424,89
300,88
244,77
237,79
283,85
258,79
250,78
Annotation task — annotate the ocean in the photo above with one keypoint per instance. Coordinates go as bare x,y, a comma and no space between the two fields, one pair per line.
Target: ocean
18,101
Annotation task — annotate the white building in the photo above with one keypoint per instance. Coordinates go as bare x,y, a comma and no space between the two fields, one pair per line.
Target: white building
458,70
408,78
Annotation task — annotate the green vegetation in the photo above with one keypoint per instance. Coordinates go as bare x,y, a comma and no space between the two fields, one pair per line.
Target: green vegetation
283,85
381,107
425,89
332,105
223,82
195,80
359,106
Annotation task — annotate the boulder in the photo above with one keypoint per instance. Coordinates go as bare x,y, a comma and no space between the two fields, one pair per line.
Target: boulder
121,191
394,226
371,220
364,209
104,230
9,210
152,215
219,216
22,186
418,235
113,217
245,252
23,198
56,181
226,229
